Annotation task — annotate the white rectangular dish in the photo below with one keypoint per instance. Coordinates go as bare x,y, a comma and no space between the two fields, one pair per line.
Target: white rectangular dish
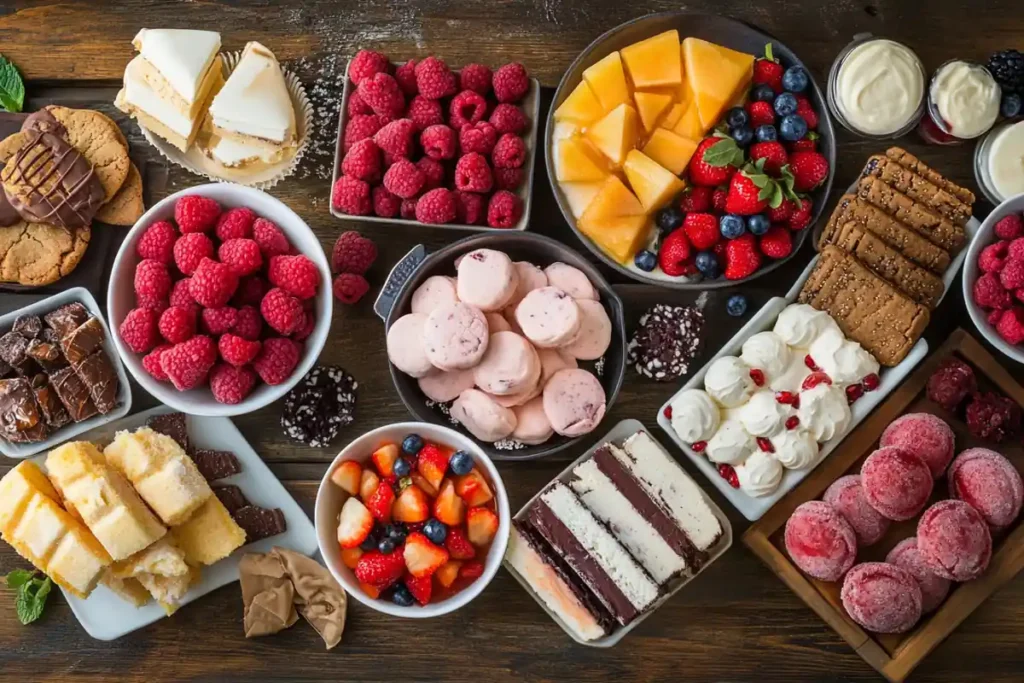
124,392
619,433
105,616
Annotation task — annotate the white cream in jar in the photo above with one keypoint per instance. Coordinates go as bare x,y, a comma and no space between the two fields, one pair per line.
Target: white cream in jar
1006,161
966,97
879,87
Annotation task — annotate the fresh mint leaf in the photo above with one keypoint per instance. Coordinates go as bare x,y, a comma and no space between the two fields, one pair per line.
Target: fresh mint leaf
31,599
725,152
12,88
19,577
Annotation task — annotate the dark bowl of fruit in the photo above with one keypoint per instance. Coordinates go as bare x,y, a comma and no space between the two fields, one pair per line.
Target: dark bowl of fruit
690,151
412,519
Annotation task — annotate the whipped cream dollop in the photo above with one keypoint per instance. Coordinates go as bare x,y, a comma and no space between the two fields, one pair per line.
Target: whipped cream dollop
762,415
800,324
844,361
795,448
695,416
759,474
967,97
731,444
728,381
824,411
767,352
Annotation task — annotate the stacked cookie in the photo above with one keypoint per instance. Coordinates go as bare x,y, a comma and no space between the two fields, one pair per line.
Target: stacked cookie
62,170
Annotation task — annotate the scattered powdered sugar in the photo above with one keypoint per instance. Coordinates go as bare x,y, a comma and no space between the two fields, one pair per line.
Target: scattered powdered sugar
444,408
509,445
599,366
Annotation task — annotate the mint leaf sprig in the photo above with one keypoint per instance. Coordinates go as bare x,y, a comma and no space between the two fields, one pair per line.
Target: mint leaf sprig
32,592
12,88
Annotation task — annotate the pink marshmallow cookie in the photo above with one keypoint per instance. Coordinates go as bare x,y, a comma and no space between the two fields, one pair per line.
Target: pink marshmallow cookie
954,540
436,291
487,279
896,483
444,386
549,317
934,588
926,436
456,336
496,323
847,497
571,280
529,278
405,345
882,597
820,541
574,401
482,417
989,483
595,335
509,366
551,361
532,424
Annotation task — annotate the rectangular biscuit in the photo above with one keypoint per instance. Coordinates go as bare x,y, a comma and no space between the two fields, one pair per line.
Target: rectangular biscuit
919,189
911,162
915,215
867,309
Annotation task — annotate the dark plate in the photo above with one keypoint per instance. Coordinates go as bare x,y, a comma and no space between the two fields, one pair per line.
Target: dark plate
396,297
717,29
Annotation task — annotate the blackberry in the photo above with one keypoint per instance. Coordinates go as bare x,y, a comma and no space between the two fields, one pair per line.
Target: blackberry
1007,67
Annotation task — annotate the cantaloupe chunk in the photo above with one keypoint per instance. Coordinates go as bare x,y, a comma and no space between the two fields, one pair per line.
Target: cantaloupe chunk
650,106
670,119
576,160
653,184
689,124
670,150
613,199
716,75
620,236
654,61
579,195
607,80
616,133
580,107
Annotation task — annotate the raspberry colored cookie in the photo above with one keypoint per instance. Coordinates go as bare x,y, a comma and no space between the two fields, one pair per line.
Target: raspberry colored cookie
989,483
436,291
487,279
926,436
882,597
847,497
595,335
570,280
530,277
532,424
482,417
934,588
405,345
496,323
574,401
444,386
509,366
954,540
549,317
456,336
896,483
820,541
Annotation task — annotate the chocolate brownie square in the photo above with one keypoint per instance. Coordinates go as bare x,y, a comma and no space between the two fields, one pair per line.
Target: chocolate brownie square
101,379
259,523
73,394
173,425
231,496
214,465
65,319
28,326
13,350
21,421
54,412
82,341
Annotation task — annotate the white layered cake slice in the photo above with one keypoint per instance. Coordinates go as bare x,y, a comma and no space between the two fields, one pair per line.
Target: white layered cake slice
181,65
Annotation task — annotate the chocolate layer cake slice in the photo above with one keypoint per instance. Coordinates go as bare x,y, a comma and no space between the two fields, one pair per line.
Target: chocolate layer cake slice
259,523
231,496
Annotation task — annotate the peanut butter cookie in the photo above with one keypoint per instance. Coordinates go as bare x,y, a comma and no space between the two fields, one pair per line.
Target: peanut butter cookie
126,207
38,254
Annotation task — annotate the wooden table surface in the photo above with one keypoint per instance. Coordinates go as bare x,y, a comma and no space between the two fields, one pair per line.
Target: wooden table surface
737,622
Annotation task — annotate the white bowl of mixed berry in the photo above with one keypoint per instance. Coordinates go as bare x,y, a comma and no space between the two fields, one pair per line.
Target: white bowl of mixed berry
412,519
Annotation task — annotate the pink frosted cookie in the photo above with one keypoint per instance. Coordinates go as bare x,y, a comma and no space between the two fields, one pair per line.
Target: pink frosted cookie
509,366
820,541
926,436
487,279
530,277
934,588
456,336
436,291
549,317
482,417
595,335
444,386
551,361
574,401
532,424
847,497
571,280
954,540
496,323
405,345
882,597
896,483
989,483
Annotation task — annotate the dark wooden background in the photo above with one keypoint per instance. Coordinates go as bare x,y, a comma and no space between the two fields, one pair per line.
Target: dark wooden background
737,622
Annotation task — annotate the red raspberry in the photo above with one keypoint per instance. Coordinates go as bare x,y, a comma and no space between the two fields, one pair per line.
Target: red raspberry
718,198
353,253
351,196
408,209
504,210
475,77
1009,227
235,223
281,310
152,280
217,321
367,64
157,242
509,152
158,304
508,178
433,172
350,287
776,243
250,291
180,294
995,315
139,330
472,174
187,364
193,213
305,328
212,284
231,385
177,324
479,137
248,323
466,108
761,114
385,204
406,77
151,363
297,275
434,80
801,217
510,82
362,161
356,106
989,292
1016,249
360,127
277,359
237,350
508,118
470,208
384,97
438,142
1011,325
270,238
404,179
993,257
190,249
436,206
397,139
1012,274
424,113
241,255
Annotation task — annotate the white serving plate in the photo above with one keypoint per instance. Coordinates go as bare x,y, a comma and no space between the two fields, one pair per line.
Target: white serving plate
105,616
619,433
124,392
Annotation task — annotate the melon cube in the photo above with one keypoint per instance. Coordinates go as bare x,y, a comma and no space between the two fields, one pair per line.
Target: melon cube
613,199
620,236
655,61
607,80
576,160
650,106
579,195
616,133
717,76
653,184
689,124
580,107
675,113
670,150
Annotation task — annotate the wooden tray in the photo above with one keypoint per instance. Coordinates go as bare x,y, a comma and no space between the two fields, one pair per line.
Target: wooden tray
896,655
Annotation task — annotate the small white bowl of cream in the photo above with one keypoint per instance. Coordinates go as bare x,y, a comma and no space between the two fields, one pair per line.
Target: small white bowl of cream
999,162
963,103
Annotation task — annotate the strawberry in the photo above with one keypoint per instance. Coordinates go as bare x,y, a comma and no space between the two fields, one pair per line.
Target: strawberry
481,525
368,484
412,505
782,212
750,192
458,545
422,482
473,489
806,111
432,464
471,570
381,502
697,198
809,169
773,153
422,558
675,252
701,229
447,573
347,476
718,198
350,556
776,243
419,587
354,523
768,70
448,507
761,114
384,459
741,257
801,217
372,591
380,570
806,144
714,160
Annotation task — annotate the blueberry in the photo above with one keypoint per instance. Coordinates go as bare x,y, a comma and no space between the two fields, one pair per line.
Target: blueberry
668,219
436,531
742,135
460,463
731,226
762,93
386,545
401,468
707,264
785,104
766,133
795,79
645,260
758,224
401,596
1011,105
412,444
369,543
736,117
396,531
737,305
793,128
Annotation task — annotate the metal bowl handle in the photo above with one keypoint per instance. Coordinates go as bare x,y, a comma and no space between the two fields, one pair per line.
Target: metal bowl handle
396,280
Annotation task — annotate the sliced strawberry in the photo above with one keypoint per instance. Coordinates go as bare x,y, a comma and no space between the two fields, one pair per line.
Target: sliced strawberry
419,587
354,524
350,556
481,525
422,557
458,545
448,507
432,464
378,569
381,503
412,506
384,459
372,591
368,484
471,570
473,488
422,482
447,573
347,475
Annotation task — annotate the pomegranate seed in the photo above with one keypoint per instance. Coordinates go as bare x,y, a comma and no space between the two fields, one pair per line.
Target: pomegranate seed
787,398
853,392
757,376
729,474
809,362
814,379
765,445
667,412
792,422
699,446
871,382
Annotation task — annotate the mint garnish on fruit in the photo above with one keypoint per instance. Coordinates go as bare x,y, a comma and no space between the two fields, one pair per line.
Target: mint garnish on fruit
725,152
31,593
12,88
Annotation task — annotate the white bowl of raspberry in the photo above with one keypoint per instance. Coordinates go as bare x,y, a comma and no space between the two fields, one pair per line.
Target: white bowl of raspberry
219,300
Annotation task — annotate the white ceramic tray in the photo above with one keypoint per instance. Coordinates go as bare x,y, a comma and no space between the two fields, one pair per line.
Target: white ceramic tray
105,616
618,434
124,392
